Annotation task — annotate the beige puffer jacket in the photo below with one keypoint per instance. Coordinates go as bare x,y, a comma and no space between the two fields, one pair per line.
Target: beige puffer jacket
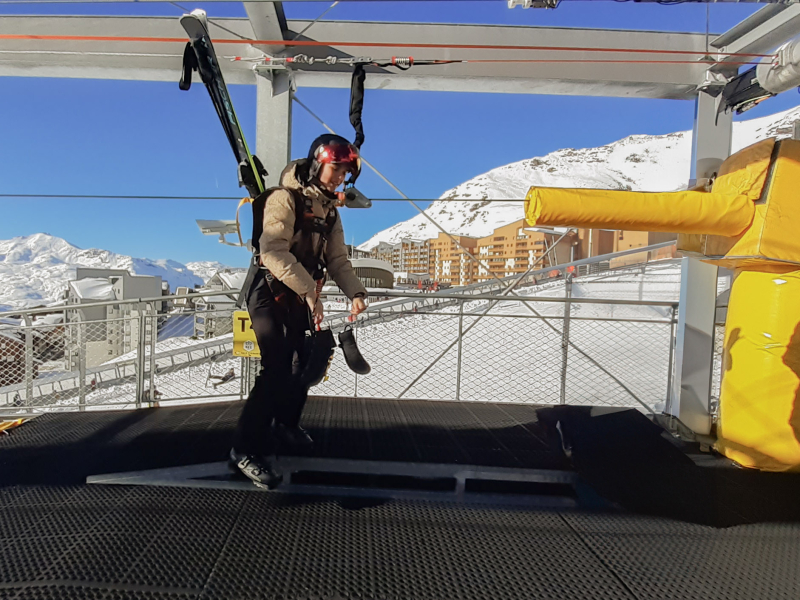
278,237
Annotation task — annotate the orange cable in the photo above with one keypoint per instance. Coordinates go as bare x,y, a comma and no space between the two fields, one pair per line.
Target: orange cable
605,61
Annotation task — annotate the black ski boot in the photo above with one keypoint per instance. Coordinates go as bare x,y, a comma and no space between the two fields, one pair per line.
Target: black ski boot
258,469
316,357
296,438
352,355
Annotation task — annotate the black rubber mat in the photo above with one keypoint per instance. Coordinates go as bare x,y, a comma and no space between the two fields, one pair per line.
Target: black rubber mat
422,431
68,447
64,540
118,542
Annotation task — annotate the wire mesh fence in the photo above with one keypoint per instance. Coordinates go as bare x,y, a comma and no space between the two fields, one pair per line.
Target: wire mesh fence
544,349
716,369
133,360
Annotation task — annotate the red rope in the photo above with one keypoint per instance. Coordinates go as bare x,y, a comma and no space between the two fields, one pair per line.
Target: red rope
106,38
606,61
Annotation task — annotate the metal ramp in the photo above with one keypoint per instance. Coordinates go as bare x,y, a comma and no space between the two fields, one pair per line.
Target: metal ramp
380,479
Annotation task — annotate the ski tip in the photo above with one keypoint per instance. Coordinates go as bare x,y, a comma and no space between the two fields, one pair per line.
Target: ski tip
198,14
195,23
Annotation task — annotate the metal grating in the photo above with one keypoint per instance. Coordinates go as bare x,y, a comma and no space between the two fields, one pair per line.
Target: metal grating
62,539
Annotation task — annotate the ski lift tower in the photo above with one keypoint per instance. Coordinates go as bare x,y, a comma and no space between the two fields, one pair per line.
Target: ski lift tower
82,54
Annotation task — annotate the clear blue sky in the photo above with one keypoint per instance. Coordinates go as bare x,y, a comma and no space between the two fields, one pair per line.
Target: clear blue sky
76,136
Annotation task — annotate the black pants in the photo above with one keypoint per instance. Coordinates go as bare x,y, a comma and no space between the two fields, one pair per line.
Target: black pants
277,394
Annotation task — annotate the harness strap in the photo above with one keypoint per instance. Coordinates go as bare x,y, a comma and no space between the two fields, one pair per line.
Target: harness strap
305,220
242,202
357,103
189,65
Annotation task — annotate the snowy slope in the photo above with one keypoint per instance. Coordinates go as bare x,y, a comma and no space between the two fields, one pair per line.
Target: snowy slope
206,269
35,269
646,163
637,353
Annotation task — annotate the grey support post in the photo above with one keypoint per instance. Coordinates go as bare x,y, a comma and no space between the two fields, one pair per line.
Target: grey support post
273,91
691,387
274,122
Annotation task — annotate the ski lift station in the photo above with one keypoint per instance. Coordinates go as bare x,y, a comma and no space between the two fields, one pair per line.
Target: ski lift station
620,426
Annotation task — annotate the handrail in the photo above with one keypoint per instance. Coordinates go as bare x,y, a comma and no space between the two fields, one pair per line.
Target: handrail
444,294
62,307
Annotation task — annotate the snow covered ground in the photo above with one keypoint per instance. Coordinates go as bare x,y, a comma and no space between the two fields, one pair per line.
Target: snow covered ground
618,354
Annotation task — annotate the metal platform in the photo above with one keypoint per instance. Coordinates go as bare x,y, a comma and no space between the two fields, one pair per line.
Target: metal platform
62,539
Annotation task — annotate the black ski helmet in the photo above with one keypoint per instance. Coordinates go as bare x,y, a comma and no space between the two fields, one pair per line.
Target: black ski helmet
330,148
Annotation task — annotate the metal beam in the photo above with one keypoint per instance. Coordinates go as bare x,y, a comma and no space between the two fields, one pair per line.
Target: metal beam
746,26
268,23
497,85
140,60
146,61
762,33
581,78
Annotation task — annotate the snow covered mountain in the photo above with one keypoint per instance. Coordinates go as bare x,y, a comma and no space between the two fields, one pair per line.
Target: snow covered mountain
205,269
648,163
35,269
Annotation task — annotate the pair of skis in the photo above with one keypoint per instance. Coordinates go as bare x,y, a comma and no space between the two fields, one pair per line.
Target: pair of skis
200,56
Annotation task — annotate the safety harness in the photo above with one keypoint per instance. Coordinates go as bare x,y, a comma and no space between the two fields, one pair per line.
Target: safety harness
311,257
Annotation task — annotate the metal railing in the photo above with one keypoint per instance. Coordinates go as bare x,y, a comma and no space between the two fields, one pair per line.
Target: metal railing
607,264
467,344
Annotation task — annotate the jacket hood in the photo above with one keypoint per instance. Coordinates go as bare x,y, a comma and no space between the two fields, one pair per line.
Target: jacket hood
291,179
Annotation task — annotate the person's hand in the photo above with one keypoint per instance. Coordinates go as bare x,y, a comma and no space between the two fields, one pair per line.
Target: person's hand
315,305
359,306
340,199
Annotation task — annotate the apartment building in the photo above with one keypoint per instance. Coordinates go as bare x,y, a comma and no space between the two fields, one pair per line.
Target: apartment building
515,248
408,257
596,242
108,331
510,250
448,263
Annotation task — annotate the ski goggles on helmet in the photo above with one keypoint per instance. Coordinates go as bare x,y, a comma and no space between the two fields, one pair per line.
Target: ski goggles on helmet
333,154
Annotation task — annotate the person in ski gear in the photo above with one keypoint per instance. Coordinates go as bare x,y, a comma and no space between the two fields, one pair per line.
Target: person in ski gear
284,303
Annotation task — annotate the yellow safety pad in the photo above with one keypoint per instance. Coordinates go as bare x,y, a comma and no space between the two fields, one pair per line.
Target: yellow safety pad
779,238
6,425
685,212
771,180
759,416
244,338
745,172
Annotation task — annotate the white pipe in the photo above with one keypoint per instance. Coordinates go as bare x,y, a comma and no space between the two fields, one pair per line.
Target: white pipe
782,72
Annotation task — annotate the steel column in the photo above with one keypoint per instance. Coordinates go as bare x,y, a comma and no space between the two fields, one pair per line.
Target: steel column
460,341
690,398
274,123
153,339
